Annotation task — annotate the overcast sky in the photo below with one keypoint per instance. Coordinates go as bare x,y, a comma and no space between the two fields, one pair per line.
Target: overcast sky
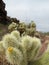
27,10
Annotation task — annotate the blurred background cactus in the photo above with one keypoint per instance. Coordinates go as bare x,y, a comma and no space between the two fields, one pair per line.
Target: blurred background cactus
12,26
23,28
32,24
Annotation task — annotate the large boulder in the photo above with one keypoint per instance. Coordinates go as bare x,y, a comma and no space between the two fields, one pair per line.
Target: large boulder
3,13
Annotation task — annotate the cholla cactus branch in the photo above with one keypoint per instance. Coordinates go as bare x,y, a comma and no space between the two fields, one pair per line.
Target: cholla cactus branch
10,40
16,34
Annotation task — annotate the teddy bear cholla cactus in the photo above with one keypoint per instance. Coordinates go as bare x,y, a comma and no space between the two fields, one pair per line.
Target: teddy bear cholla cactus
12,40
24,51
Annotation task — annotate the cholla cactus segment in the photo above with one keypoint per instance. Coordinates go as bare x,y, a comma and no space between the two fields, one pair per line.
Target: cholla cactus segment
10,40
34,51
29,42
21,27
14,56
16,34
32,24
23,50
36,42
26,42
12,26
